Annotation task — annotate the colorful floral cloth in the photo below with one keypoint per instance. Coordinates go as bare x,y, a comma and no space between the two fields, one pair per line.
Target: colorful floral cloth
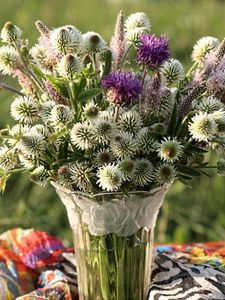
35,265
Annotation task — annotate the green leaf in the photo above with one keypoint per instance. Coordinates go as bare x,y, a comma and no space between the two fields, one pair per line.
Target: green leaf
59,85
182,169
38,72
173,121
194,148
89,94
80,87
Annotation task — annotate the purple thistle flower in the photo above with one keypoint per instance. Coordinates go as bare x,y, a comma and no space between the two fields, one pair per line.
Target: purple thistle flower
153,51
122,87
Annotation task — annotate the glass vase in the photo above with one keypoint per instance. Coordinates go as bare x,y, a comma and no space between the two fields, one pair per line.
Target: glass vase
113,239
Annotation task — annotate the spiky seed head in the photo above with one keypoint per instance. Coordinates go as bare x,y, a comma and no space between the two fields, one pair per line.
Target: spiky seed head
39,176
93,43
209,105
170,149
145,142
107,115
39,55
204,46
8,159
103,156
123,145
143,172
61,115
172,71
103,131
164,174
40,129
110,178
131,122
138,19
83,135
32,144
91,111
66,39
202,127
69,66
80,175
221,167
10,33
133,35
46,109
126,166
24,109
9,60
28,162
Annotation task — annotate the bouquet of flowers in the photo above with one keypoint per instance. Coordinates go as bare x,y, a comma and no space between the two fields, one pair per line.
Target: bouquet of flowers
123,117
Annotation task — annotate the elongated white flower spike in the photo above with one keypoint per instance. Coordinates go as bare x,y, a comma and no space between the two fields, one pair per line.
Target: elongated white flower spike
110,178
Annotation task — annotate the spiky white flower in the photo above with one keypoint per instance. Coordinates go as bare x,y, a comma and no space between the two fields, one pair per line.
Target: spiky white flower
32,144
39,129
110,178
131,122
80,175
126,166
204,46
143,172
8,159
107,115
145,142
39,176
9,60
10,32
93,43
123,145
91,111
27,162
172,71
164,174
83,135
66,39
169,149
138,19
61,115
103,131
69,66
103,156
24,109
133,35
209,105
46,109
221,167
38,53
202,127
16,132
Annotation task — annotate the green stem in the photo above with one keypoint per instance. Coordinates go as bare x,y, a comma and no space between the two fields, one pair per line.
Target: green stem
125,55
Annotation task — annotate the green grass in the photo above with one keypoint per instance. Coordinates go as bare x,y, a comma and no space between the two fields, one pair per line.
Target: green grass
195,214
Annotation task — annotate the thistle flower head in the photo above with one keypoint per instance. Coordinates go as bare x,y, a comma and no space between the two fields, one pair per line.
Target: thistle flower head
153,51
137,20
69,66
170,149
45,110
172,71
221,167
93,43
91,111
8,159
164,174
204,46
110,178
131,122
9,60
103,131
61,115
39,176
66,39
24,109
123,145
83,135
80,175
202,127
143,172
121,87
209,105
145,141
32,144
10,33
103,156
126,166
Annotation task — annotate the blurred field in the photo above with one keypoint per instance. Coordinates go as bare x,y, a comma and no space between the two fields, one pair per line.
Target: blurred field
195,214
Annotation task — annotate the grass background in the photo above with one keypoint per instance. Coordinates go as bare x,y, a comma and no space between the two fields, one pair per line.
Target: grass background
195,214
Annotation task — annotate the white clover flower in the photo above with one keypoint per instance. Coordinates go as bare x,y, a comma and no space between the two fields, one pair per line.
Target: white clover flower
83,135
8,159
32,145
93,43
123,145
46,109
221,167
204,46
145,142
39,176
9,60
202,127
61,115
143,172
131,122
24,109
134,34
172,71
80,175
164,174
126,166
10,33
103,131
103,156
69,66
66,39
138,19
91,111
110,178
209,105
169,149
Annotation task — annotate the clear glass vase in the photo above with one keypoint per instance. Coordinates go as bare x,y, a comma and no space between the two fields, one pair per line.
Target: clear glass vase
113,239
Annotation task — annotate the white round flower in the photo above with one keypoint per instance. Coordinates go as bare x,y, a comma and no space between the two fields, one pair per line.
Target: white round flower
134,34
32,144
164,174
61,115
103,156
24,109
91,111
172,71
145,142
8,159
46,109
83,135
80,175
209,105
10,32
28,162
170,149
39,176
131,122
204,46
9,60
138,19
69,66
110,177
123,145
38,53
143,172
93,43
103,131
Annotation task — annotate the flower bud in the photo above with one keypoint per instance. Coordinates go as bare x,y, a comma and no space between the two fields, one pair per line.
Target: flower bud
10,33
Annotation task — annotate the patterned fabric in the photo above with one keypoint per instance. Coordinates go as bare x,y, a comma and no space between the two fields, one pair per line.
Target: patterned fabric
180,271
